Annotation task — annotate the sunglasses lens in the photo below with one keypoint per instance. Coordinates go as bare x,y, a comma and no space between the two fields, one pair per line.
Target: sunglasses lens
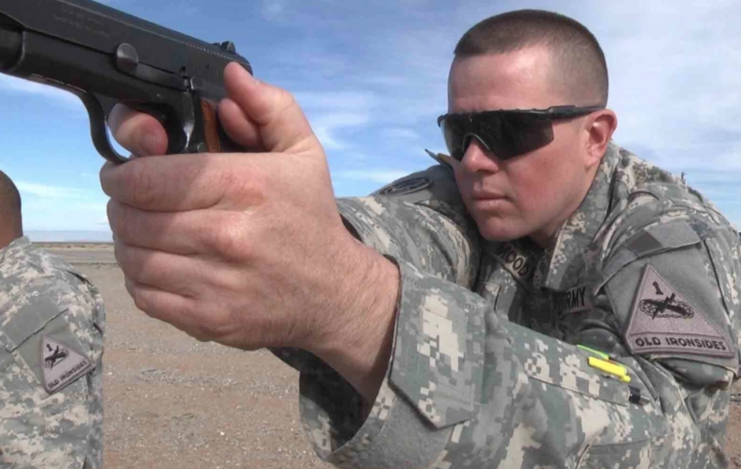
453,128
506,134
520,133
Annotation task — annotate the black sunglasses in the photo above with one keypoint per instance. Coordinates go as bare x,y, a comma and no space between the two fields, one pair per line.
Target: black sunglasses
506,133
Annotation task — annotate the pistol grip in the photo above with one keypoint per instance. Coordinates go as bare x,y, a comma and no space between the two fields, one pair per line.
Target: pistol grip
214,137
211,126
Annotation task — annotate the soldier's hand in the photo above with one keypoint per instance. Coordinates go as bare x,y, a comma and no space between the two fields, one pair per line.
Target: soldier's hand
246,249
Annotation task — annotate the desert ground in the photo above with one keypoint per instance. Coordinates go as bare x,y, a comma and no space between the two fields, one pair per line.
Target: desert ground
175,403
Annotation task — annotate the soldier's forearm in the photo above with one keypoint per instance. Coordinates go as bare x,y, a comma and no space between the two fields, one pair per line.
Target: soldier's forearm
359,346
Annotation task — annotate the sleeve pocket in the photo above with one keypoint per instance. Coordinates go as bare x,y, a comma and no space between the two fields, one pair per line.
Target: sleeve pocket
562,365
438,358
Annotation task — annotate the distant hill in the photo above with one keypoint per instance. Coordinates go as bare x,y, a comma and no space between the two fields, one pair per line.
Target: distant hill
70,236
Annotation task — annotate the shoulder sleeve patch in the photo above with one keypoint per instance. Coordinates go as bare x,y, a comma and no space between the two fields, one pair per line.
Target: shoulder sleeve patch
40,334
436,184
664,321
406,186
61,364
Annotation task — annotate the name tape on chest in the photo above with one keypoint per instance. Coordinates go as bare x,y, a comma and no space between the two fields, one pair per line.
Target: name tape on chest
663,321
62,365
514,261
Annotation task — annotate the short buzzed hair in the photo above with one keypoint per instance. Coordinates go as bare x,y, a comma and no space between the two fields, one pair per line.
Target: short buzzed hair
579,63
10,205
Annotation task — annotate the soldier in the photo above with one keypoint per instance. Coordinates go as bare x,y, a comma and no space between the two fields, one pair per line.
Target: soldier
51,345
539,298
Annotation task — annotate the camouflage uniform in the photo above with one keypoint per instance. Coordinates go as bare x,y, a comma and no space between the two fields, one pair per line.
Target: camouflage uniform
51,377
485,369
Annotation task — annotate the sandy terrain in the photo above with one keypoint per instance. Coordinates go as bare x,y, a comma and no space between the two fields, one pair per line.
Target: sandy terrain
173,402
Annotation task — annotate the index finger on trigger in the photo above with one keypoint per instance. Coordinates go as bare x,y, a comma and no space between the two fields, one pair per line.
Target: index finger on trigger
138,132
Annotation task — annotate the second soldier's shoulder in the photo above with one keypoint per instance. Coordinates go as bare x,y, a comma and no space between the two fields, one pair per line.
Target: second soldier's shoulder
28,264
30,255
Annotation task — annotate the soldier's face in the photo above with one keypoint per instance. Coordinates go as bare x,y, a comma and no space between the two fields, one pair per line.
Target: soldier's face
531,194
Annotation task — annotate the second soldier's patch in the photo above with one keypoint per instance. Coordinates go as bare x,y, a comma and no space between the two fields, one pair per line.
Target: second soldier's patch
41,337
61,364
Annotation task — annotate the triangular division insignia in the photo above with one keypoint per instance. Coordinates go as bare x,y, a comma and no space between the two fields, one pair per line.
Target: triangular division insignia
61,364
663,321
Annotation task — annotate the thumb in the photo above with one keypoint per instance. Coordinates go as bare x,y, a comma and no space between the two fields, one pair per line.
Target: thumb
280,121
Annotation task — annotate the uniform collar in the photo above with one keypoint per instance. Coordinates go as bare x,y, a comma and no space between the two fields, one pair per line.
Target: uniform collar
564,261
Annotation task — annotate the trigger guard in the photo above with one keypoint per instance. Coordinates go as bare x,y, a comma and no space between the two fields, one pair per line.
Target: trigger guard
98,108
99,126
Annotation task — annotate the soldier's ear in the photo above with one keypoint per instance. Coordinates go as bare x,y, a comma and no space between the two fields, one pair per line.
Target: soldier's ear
599,127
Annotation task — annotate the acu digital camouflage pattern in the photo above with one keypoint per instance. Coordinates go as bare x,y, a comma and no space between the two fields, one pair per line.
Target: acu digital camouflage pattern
41,296
485,372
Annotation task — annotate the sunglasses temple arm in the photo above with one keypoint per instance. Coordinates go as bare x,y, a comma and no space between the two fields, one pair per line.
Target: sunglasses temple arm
441,158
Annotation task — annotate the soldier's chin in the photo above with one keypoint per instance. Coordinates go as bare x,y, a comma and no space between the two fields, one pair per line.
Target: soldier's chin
499,230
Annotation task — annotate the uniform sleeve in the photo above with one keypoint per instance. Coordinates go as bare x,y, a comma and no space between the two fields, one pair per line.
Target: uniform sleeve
470,389
467,388
411,235
671,289
419,219
464,388
51,375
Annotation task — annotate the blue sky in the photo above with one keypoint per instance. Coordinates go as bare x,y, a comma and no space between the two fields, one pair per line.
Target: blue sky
371,76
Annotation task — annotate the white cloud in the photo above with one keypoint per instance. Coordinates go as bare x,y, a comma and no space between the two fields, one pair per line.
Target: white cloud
675,70
377,176
401,133
331,112
48,192
371,77
714,177
65,212
273,10
385,80
49,207
55,95
327,125
336,100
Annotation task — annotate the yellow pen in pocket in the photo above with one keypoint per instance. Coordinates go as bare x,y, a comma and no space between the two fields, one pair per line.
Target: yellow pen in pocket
611,368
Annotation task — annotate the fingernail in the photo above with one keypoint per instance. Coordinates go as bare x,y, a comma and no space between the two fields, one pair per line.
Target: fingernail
149,144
